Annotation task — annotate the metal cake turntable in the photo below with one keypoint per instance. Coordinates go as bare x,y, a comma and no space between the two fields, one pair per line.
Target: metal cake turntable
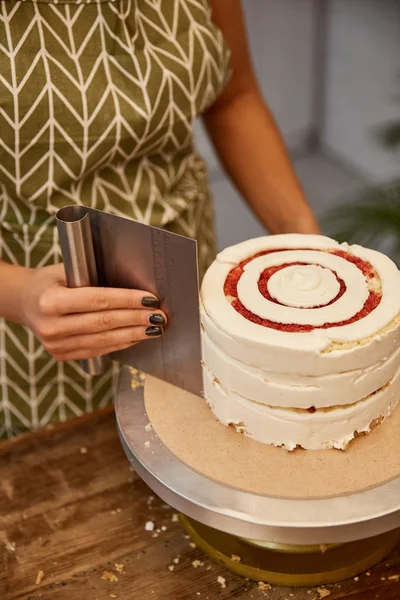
281,540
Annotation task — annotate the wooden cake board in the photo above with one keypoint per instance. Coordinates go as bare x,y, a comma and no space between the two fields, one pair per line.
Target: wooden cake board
186,425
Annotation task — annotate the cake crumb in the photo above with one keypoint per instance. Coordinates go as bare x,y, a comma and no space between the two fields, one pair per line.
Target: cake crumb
323,592
113,596
108,576
263,586
39,577
323,548
239,427
368,573
171,568
221,581
149,526
175,517
197,563
155,535
119,567
356,579
383,578
163,528
192,545
176,560
147,444
83,450
11,546
394,577
235,558
148,427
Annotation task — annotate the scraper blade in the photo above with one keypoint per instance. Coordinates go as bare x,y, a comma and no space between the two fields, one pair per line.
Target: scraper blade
112,251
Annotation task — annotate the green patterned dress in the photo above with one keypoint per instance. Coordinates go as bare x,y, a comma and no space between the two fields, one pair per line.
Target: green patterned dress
97,104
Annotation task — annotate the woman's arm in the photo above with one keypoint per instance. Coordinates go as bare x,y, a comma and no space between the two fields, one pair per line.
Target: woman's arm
13,282
248,141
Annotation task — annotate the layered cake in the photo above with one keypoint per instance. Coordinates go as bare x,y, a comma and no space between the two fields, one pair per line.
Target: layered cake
301,340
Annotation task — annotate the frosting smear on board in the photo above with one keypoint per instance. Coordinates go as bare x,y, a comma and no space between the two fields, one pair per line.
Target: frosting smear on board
301,340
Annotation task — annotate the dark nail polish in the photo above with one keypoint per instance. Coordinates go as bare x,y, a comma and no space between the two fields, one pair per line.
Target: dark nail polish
153,331
150,302
157,320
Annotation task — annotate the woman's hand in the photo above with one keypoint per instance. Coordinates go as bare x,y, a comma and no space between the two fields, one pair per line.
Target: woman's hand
82,323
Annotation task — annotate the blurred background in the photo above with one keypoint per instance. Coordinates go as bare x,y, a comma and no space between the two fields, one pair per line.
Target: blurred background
330,71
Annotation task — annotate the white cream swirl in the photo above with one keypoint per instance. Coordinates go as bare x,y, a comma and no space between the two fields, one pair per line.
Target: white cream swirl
343,309
303,286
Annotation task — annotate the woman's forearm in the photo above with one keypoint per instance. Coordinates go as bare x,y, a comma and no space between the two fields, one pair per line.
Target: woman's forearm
13,282
251,149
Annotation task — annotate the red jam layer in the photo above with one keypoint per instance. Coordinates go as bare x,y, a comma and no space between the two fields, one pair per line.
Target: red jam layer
231,282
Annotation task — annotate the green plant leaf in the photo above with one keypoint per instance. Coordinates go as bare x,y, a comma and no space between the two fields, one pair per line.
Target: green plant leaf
371,219
390,135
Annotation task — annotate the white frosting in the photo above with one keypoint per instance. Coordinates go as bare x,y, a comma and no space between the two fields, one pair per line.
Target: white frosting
260,372
281,427
235,254
300,360
244,336
300,391
303,286
343,309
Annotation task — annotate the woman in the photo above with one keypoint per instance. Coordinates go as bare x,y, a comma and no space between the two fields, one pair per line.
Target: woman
97,106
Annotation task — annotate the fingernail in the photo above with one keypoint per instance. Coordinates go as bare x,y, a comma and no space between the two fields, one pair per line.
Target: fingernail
153,331
157,320
150,302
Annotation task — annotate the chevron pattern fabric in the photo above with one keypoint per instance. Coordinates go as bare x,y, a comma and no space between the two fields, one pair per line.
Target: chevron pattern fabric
97,104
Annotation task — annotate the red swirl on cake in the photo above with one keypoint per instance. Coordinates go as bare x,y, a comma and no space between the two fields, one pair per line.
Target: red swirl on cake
365,267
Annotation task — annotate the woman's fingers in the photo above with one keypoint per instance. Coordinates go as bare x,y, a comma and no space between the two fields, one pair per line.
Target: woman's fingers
97,342
61,300
81,323
96,322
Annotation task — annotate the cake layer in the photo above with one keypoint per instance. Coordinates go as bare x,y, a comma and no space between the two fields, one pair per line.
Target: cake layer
290,390
326,308
323,429
268,352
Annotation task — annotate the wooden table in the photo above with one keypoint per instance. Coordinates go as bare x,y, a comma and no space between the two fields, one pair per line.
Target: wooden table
73,518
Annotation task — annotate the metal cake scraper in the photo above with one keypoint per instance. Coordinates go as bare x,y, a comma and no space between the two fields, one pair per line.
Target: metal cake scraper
100,249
